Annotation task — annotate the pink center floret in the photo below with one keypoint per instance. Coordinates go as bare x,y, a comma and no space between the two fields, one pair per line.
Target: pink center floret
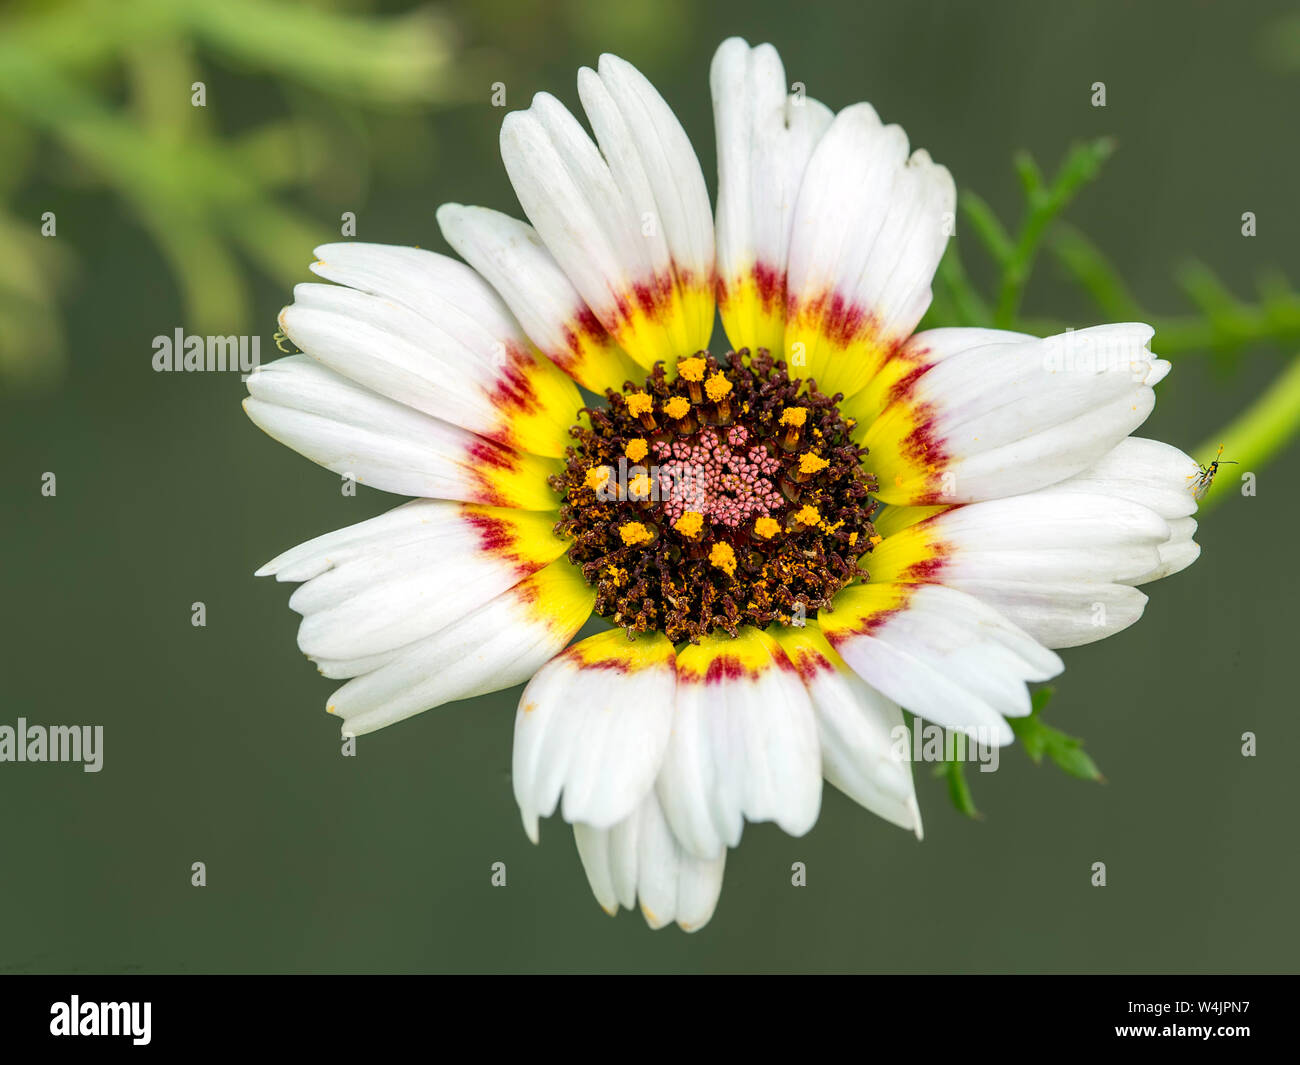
725,482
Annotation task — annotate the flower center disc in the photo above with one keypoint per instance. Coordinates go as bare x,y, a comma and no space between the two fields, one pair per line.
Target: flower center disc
730,496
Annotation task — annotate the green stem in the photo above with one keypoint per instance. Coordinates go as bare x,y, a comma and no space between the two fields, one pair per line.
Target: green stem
964,298
1261,430
1044,203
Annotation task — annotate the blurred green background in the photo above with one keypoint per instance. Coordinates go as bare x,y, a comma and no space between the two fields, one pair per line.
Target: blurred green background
217,748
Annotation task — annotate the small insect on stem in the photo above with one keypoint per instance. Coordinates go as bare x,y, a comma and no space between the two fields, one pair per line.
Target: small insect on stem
281,339
1200,482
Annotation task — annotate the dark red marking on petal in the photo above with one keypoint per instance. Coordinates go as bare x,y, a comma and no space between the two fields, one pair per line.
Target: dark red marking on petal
513,391
654,296
865,627
932,518
726,667
650,297
902,388
581,325
927,571
770,285
481,456
497,537
722,667
492,454
810,664
840,320
925,448
611,665
872,623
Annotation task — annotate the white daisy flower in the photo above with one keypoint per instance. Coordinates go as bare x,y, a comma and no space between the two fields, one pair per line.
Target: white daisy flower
791,542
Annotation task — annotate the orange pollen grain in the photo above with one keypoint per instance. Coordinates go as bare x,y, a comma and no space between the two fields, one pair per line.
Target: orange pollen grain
723,558
634,533
692,369
637,450
677,407
638,403
794,416
767,527
717,386
639,486
596,477
690,523
809,515
810,463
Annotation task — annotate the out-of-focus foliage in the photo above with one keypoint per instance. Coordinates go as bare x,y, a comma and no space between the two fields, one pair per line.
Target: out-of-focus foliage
104,87
650,30
1282,44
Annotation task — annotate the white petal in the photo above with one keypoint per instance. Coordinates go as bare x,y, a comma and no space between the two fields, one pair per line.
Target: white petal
593,724
935,345
388,582
1054,563
1157,476
347,668
941,654
1060,614
653,162
1041,536
1006,417
640,858
612,226
860,731
765,138
513,259
870,227
496,646
314,557
744,744
427,331
446,293
1149,472
355,432
1176,553
569,195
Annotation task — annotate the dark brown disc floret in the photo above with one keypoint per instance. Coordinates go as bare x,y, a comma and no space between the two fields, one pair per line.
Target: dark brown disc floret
732,495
